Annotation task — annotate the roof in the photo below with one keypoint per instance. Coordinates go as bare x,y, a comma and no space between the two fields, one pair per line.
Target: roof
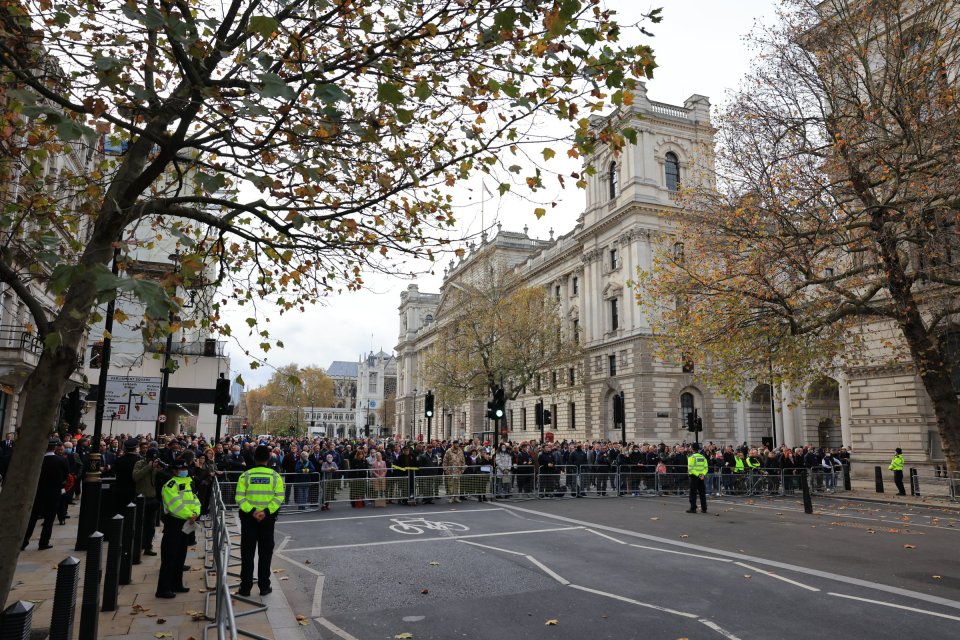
342,369
372,358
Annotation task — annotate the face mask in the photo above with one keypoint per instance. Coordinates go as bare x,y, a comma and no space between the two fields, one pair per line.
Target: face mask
68,450
183,473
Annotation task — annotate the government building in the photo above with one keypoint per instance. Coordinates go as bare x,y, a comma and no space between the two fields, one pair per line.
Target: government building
589,271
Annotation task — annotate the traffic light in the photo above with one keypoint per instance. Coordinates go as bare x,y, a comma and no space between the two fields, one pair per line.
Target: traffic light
618,413
428,405
538,411
499,403
73,408
699,424
691,421
221,398
546,417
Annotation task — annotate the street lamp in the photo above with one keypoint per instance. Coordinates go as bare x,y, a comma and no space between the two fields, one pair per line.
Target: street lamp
168,363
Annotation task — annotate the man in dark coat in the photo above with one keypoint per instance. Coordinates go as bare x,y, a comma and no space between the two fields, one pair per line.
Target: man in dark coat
125,487
53,476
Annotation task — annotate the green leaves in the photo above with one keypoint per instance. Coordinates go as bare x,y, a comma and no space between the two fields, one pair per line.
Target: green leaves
330,93
266,26
273,86
389,93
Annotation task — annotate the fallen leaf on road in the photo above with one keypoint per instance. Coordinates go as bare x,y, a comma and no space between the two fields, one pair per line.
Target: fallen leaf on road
550,623
870,531
161,621
279,570
654,518
747,575
163,634
684,536
306,562
909,546
284,578
303,620
425,591
137,608
434,563
780,514
151,615
196,615
403,636
938,577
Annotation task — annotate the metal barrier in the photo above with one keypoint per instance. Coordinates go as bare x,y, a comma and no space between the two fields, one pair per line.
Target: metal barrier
929,484
302,491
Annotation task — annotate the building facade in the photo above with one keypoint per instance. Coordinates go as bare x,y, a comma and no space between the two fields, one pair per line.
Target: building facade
376,391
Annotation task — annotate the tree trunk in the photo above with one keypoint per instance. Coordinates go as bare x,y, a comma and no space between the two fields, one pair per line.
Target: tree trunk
39,400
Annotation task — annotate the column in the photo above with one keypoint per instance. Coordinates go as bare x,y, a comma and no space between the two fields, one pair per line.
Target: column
846,429
789,428
777,396
742,435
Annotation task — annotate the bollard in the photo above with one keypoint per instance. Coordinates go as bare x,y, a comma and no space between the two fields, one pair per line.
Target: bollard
126,550
90,603
106,508
89,515
846,476
807,501
111,577
914,482
879,477
65,599
16,621
138,528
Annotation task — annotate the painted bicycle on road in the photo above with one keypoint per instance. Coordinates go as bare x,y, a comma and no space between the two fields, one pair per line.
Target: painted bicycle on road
416,526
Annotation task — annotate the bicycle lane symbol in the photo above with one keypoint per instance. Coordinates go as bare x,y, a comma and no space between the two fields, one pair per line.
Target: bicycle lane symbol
417,526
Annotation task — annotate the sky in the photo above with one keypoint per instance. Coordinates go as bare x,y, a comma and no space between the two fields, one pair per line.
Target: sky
699,47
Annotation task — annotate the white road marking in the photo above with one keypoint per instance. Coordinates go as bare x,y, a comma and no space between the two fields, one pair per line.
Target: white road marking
550,572
718,629
317,607
603,535
681,553
895,606
615,596
486,546
953,604
335,629
283,543
281,521
415,540
299,565
773,575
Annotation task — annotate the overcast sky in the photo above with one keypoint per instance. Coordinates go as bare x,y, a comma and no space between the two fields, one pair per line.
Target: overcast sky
699,48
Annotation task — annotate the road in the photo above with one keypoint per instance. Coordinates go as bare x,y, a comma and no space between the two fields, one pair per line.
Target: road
623,568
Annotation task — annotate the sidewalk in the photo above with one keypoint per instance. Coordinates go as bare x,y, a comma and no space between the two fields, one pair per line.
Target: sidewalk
139,615
865,490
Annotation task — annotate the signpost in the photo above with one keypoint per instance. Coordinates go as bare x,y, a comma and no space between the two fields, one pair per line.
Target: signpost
133,397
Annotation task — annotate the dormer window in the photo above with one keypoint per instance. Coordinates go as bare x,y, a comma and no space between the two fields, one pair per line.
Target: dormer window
672,168
613,180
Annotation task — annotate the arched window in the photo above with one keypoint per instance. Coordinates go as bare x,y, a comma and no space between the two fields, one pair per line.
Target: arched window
614,181
672,167
429,318
686,406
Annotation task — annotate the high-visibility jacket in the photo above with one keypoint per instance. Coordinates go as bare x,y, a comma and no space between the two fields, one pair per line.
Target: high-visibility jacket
739,465
260,489
178,499
753,463
897,463
697,465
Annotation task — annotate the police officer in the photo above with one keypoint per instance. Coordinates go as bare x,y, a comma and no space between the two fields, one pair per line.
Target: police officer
53,476
180,507
896,465
697,467
259,496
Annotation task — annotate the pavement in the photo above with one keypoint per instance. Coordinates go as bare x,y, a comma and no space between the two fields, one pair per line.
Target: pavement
139,615
625,567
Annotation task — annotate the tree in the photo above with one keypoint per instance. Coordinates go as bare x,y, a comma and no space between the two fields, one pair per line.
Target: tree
832,237
291,389
498,333
292,144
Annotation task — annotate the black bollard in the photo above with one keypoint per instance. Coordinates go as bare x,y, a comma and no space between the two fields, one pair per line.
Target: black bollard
914,482
16,621
138,528
807,501
89,516
107,509
126,551
879,477
65,599
111,577
846,476
90,603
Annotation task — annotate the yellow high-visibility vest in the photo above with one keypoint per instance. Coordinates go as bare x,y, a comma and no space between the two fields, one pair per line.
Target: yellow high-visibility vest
260,489
178,499
697,465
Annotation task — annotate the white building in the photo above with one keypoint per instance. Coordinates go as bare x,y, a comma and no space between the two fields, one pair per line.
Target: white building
376,386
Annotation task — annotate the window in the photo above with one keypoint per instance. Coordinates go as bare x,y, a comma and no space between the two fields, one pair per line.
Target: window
572,409
828,272
678,252
539,380
576,331
556,292
523,419
612,359
613,180
429,318
614,259
686,406
575,286
553,379
554,418
372,383
672,169
572,376
614,314
950,345
510,422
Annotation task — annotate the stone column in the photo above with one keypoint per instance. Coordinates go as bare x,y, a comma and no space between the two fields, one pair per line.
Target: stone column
846,430
789,428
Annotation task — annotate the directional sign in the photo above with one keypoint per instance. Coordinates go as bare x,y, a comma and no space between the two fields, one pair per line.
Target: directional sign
132,397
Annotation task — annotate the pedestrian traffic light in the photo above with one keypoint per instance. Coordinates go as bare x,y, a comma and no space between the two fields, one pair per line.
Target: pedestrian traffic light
691,421
221,398
538,411
428,405
699,424
546,417
618,413
499,403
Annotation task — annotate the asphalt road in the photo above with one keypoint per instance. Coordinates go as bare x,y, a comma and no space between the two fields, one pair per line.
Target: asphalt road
624,568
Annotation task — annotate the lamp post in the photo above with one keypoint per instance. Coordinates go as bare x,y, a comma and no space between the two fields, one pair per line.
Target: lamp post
167,360
90,495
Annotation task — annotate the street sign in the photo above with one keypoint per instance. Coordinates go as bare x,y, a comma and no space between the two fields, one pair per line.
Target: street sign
132,397
162,418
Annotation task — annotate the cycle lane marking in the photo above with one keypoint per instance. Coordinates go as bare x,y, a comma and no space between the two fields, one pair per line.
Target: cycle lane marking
433,539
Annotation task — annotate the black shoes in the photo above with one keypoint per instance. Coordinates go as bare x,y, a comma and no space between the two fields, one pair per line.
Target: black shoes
703,511
45,546
166,595
691,510
149,552
266,592
181,589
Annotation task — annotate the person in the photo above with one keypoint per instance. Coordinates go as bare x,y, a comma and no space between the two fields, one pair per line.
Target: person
896,465
328,470
145,478
259,496
180,511
453,467
697,469
53,477
125,487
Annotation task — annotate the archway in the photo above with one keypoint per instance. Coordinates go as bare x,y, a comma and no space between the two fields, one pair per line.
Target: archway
821,414
759,416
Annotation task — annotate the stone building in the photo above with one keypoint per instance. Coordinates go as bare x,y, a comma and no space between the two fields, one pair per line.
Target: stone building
376,391
872,408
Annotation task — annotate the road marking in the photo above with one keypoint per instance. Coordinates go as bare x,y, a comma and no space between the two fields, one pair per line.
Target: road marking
603,535
415,540
615,596
299,565
843,514
773,575
335,629
486,546
550,572
895,606
718,629
681,553
281,521
283,543
317,607
953,604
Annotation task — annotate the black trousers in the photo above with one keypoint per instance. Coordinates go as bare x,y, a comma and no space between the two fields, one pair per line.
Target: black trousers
898,480
698,487
256,537
150,508
43,507
173,553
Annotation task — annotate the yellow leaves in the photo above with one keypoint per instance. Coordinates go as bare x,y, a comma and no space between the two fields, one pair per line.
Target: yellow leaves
539,212
403,636
302,620
548,153
163,634
909,546
551,623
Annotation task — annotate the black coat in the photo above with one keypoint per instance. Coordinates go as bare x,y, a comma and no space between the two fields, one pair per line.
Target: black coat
53,475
